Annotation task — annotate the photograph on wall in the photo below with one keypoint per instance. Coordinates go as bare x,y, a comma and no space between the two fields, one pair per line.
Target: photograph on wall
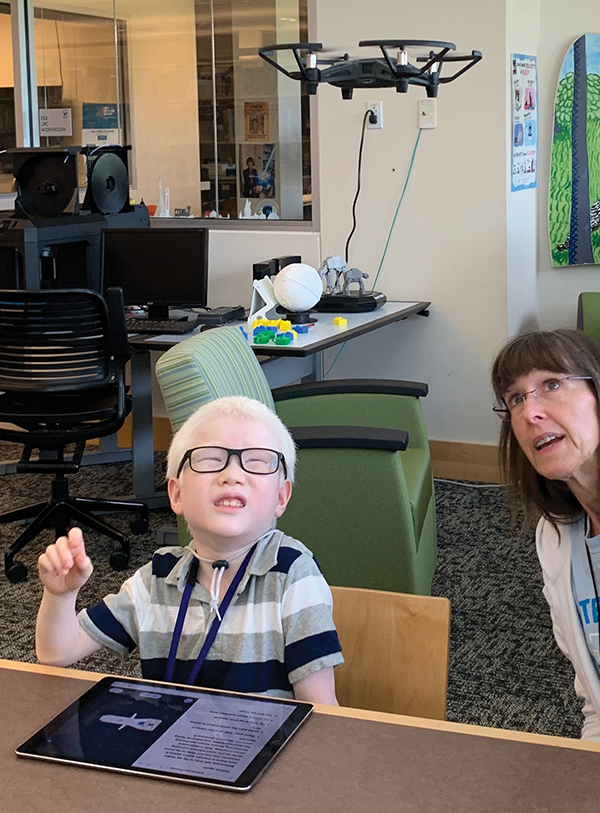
100,124
256,121
524,122
574,195
257,162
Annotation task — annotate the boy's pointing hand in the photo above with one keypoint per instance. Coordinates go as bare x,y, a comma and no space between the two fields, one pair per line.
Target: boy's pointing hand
65,567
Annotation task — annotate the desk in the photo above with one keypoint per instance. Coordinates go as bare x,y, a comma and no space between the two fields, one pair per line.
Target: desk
340,760
301,361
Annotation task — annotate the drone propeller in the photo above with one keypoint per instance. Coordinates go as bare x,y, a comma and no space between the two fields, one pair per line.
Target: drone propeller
473,58
305,54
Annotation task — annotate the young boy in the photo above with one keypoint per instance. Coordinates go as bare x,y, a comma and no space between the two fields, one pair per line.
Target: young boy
230,470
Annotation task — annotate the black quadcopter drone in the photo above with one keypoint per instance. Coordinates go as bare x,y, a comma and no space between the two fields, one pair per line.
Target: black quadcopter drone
348,74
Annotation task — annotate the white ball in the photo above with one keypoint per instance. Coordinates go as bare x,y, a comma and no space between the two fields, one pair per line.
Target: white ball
298,287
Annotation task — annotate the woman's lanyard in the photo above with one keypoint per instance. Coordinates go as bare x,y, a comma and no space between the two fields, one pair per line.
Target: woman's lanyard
214,627
591,564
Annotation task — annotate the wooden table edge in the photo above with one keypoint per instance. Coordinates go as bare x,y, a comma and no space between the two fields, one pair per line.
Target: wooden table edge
360,714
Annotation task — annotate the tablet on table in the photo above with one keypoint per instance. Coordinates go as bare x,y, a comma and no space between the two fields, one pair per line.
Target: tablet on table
182,733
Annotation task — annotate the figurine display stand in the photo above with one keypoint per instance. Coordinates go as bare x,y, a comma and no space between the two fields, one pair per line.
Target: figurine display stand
264,302
295,317
338,296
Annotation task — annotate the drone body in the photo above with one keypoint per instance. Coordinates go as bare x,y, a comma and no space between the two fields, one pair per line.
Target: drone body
379,72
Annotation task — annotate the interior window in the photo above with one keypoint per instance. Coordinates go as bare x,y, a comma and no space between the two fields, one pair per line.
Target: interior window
215,131
8,133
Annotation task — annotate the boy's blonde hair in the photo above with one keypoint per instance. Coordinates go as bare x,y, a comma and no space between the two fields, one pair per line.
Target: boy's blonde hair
236,406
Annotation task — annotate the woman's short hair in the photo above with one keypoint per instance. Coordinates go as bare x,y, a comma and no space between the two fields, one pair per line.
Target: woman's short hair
237,406
558,351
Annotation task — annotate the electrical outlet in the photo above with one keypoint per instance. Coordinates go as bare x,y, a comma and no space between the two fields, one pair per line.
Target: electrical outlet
377,108
427,118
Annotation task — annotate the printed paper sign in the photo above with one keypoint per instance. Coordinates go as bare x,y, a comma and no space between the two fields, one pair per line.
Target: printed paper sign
56,122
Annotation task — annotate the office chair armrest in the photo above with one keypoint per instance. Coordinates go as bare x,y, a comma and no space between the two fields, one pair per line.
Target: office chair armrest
116,317
352,385
349,437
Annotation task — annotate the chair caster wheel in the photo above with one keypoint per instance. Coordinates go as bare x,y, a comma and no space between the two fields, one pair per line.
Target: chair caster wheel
119,560
139,525
17,572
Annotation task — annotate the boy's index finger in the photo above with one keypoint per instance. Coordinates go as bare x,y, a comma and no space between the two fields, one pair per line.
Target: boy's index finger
75,539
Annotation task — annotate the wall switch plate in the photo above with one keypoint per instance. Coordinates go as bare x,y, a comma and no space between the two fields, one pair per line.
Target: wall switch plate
377,108
427,114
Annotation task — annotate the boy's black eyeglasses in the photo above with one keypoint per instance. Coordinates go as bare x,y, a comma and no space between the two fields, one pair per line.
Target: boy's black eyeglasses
211,459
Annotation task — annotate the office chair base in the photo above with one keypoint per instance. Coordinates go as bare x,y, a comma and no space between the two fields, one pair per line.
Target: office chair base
17,573
60,514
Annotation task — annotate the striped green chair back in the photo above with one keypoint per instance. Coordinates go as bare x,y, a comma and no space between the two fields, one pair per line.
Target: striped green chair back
213,364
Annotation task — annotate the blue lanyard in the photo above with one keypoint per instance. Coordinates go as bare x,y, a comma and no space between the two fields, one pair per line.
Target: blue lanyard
214,627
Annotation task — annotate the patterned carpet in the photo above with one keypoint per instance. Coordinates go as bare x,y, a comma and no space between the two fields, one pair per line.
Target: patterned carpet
505,669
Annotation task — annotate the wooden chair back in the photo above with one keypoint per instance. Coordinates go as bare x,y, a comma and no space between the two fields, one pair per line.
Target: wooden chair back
396,648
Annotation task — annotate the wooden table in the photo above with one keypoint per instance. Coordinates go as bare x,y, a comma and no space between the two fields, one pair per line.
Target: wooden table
341,760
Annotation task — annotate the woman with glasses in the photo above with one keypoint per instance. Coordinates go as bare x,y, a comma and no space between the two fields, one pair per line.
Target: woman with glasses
546,385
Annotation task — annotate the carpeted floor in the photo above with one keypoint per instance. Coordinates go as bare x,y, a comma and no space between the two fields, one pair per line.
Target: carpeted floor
505,669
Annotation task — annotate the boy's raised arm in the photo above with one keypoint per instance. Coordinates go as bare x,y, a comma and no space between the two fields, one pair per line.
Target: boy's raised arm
64,568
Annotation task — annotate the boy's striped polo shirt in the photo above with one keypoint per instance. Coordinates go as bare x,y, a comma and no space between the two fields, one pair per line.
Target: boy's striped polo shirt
278,628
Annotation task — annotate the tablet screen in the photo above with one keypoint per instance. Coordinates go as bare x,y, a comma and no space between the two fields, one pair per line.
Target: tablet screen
175,732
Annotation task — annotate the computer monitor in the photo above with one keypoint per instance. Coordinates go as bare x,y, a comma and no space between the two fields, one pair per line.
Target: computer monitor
157,268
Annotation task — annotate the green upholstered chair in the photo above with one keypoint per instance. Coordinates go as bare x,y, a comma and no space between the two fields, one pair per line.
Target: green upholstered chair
365,508
588,314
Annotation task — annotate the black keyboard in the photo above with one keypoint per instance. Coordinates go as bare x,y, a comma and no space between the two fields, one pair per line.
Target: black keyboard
158,326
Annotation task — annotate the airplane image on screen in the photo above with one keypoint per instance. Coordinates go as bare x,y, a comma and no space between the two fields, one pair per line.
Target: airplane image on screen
139,723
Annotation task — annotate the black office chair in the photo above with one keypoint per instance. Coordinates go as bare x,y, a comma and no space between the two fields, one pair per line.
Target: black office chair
62,362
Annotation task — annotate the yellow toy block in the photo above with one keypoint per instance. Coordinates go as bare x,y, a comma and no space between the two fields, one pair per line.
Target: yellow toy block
284,325
339,321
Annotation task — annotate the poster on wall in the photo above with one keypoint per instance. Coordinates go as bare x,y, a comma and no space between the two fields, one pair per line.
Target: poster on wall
524,122
258,170
100,124
574,194
256,121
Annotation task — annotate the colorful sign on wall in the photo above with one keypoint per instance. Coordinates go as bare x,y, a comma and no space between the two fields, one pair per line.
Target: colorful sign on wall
524,122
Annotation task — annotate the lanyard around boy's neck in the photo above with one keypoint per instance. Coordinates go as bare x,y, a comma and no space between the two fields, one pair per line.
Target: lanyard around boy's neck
214,627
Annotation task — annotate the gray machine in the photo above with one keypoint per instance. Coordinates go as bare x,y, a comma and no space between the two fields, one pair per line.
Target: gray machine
50,241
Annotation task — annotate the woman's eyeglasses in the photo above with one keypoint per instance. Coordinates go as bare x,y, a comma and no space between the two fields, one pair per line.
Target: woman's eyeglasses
211,459
548,392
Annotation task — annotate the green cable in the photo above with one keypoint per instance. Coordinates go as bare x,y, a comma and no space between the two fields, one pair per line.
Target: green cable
334,361
410,166
387,242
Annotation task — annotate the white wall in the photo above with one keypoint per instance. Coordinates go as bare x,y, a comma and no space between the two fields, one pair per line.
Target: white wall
449,245
232,254
523,303
561,24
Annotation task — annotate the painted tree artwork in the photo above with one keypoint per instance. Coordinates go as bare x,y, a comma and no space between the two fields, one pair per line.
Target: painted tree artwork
574,199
